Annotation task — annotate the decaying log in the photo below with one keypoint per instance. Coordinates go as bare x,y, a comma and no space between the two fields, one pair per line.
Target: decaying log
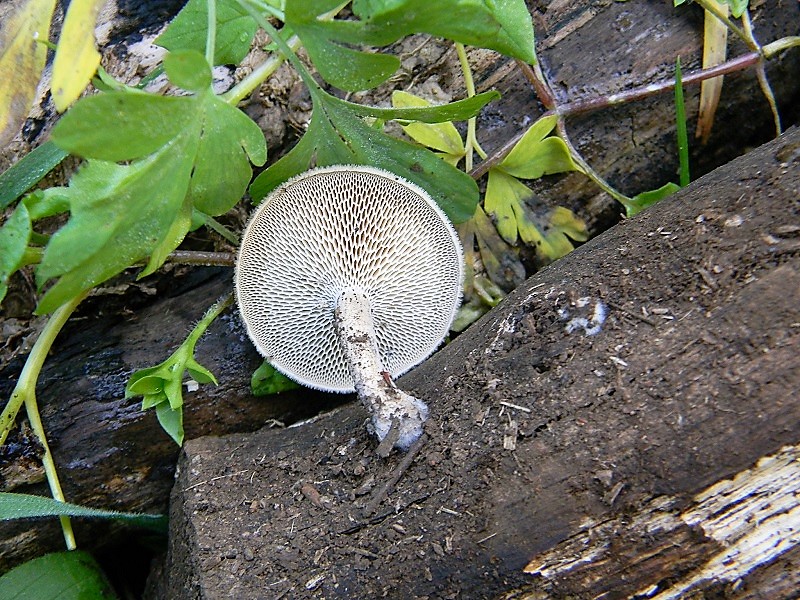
625,424
111,455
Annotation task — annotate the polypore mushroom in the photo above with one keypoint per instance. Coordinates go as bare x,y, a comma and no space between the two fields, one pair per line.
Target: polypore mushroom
347,277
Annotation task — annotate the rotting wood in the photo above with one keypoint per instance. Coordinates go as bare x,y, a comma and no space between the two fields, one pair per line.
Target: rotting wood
657,459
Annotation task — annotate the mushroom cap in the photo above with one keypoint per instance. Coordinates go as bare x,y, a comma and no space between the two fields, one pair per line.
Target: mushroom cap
340,227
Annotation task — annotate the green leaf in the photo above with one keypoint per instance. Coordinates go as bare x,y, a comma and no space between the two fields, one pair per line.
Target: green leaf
641,201
188,69
439,136
187,152
460,110
162,385
536,155
71,575
336,135
171,421
234,34
121,126
28,171
549,231
268,380
26,506
737,7
14,236
503,25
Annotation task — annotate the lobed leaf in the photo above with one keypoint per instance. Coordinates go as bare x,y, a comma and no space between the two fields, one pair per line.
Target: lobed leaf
235,29
503,25
188,70
439,136
337,135
536,154
549,231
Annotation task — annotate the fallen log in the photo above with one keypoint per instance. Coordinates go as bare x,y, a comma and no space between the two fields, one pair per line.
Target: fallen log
625,424
111,455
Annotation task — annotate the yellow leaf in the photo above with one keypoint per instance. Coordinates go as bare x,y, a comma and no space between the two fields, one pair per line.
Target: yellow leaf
439,136
503,192
76,58
22,59
715,41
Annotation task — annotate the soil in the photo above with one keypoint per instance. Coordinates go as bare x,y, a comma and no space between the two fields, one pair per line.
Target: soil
683,372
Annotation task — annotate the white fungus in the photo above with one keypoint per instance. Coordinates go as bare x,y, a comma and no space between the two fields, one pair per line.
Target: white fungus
347,277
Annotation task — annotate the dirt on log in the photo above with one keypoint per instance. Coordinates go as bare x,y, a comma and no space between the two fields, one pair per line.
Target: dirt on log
625,424
110,454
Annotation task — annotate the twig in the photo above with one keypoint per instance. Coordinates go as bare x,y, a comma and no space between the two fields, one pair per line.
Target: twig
398,472
583,106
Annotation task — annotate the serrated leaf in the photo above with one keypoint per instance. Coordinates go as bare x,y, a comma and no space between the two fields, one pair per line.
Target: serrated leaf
188,70
27,506
118,218
439,136
188,152
71,575
76,58
14,236
22,59
28,171
234,32
548,231
536,154
504,26
267,380
336,135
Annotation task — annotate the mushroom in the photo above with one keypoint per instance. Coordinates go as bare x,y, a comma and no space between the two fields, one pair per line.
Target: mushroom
347,277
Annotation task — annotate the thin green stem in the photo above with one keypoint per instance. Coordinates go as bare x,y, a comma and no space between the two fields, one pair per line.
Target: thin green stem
25,393
215,225
287,52
471,143
780,45
212,313
211,34
259,75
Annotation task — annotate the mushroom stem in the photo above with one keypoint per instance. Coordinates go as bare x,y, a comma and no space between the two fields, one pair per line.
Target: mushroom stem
387,404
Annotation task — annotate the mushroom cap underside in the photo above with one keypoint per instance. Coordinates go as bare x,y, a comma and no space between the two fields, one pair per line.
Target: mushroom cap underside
341,227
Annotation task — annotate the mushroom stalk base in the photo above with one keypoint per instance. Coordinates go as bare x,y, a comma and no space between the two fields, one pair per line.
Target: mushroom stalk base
387,404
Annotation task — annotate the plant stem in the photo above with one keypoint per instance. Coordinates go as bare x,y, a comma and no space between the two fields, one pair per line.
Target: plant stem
584,106
680,125
205,259
25,393
215,225
761,75
287,52
471,143
260,74
211,34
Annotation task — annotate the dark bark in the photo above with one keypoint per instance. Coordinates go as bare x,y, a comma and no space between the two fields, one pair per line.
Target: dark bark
111,455
647,458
